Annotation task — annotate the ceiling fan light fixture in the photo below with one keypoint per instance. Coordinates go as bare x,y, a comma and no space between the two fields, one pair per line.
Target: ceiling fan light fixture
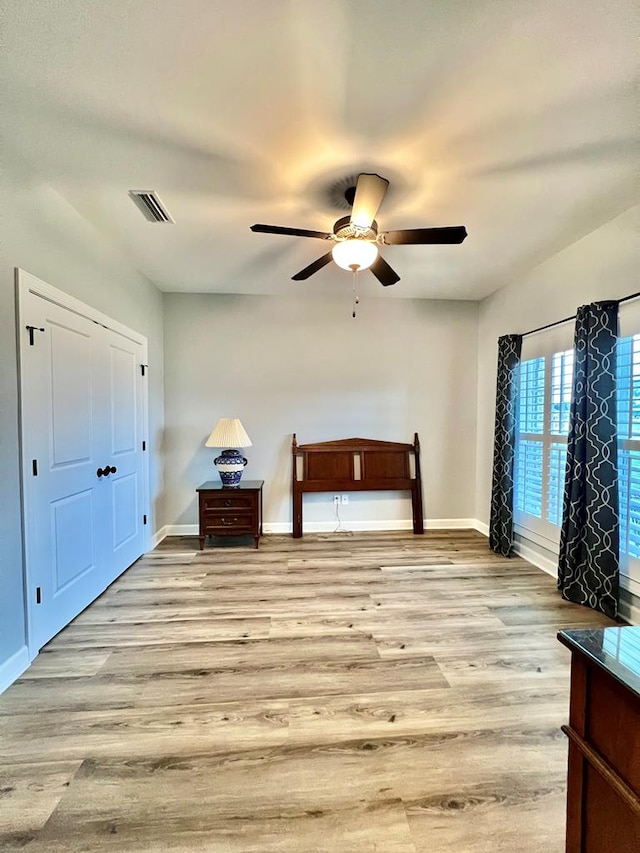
354,254
356,238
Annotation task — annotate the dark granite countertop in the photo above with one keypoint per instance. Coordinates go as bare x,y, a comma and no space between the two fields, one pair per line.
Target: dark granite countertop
616,650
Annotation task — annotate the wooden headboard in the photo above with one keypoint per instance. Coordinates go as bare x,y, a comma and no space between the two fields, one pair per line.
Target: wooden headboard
356,465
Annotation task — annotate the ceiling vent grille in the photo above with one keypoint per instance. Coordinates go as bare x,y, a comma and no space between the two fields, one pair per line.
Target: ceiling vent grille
151,206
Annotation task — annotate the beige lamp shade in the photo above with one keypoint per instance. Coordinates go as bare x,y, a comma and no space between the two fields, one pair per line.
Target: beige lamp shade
228,432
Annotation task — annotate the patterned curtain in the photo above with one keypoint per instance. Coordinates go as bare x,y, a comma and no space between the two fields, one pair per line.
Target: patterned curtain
589,539
504,445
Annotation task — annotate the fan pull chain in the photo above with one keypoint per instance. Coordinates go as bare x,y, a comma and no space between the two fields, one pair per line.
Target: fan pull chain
356,298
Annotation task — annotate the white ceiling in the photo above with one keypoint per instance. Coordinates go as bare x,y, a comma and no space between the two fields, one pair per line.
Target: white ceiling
512,117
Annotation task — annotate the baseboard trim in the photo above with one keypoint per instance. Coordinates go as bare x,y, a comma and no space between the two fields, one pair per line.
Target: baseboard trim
13,668
284,527
450,524
481,527
180,530
158,536
629,612
531,556
630,585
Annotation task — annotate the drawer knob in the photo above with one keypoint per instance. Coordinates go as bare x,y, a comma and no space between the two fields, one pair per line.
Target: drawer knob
227,503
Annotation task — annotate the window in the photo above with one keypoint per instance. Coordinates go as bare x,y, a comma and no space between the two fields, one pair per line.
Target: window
629,453
541,447
531,412
557,468
561,379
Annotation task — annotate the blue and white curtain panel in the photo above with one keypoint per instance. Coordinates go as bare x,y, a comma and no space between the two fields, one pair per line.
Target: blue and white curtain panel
589,539
504,445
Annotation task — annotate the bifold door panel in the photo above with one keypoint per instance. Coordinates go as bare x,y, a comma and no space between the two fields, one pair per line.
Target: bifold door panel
125,527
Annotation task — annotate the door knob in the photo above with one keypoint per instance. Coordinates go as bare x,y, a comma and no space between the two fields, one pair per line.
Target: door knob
108,469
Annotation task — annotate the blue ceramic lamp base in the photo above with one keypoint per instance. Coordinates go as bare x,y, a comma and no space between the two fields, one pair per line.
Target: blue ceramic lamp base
230,465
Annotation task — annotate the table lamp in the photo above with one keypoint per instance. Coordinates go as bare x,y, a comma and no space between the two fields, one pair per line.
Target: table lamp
229,433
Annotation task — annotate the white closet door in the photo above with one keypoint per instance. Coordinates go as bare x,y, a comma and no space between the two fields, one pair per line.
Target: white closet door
82,418
66,501
123,420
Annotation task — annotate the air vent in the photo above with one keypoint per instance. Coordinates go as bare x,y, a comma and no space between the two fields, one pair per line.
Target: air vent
151,206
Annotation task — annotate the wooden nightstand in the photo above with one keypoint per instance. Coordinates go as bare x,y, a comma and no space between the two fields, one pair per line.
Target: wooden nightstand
230,511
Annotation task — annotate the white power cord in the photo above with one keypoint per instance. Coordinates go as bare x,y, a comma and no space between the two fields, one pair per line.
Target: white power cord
339,528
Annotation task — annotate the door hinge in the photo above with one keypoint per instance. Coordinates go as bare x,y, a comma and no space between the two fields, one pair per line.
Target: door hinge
144,445
38,595
31,330
143,367
144,519
34,467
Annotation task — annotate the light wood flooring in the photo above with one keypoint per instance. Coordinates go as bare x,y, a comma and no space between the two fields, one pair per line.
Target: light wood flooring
339,693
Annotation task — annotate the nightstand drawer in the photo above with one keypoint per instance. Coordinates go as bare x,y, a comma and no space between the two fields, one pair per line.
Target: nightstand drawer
226,522
229,501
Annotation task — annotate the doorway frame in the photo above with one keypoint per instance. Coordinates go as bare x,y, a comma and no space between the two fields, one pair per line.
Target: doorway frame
26,283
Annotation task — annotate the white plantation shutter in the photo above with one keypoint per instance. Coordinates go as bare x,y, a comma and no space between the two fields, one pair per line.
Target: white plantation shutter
529,478
628,357
541,451
561,379
555,488
531,411
529,449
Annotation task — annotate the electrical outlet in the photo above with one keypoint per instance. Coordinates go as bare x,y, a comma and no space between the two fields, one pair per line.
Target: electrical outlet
345,499
336,499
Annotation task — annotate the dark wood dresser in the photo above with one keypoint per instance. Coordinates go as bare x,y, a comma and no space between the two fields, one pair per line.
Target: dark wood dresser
230,510
603,784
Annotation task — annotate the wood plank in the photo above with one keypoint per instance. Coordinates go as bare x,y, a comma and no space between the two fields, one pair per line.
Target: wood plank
357,692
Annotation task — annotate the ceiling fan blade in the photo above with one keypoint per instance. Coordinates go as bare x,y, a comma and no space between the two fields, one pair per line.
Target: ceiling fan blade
314,267
291,232
370,190
423,236
383,272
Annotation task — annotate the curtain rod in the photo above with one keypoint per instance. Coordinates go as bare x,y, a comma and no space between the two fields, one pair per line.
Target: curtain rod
573,316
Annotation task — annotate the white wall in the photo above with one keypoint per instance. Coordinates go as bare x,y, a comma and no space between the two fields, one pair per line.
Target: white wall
42,234
303,365
603,265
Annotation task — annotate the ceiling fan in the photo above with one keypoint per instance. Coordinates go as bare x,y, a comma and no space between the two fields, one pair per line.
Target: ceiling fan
356,237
